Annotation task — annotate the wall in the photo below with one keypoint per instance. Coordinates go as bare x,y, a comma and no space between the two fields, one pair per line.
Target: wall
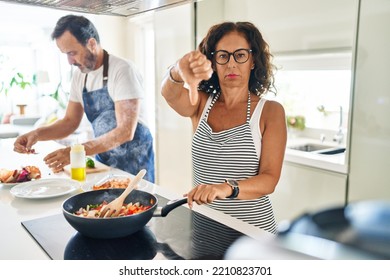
299,25
112,33
370,135
208,13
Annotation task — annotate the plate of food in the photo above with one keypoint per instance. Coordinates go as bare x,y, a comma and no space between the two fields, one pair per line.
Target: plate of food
45,188
12,177
111,181
8,184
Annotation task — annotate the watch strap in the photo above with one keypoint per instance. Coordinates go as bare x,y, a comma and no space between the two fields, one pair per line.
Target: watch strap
234,185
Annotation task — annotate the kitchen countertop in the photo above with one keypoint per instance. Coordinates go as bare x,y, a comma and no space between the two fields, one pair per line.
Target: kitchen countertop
16,243
334,163
23,220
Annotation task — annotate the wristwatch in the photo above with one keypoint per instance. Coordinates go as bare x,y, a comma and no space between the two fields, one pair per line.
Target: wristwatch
235,189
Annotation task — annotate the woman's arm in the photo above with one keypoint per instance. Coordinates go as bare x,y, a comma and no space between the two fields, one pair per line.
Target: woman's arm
273,146
191,69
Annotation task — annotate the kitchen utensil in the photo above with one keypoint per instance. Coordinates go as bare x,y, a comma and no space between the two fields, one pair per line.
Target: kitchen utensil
363,226
116,227
113,208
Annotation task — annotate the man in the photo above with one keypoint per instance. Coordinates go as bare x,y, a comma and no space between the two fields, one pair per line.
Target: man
108,89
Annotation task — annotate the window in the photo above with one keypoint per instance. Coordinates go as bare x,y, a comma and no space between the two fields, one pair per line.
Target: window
316,87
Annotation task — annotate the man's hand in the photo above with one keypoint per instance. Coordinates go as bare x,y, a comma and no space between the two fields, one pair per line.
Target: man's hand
58,159
23,144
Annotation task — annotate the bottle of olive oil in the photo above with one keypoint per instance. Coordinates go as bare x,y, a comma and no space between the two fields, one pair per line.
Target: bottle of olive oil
77,162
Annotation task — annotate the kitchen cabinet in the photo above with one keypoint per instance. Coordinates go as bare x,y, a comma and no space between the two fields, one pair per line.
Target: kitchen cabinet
300,26
305,189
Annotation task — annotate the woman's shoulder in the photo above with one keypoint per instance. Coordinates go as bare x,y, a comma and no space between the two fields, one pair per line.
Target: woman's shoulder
272,104
272,108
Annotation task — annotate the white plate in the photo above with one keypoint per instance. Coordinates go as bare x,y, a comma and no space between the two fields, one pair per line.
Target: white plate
45,188
9,184
15,183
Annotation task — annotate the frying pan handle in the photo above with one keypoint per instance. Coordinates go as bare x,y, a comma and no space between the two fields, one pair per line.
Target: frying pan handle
172,205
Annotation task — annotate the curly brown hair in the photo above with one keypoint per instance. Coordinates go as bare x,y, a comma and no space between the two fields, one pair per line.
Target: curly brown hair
262,76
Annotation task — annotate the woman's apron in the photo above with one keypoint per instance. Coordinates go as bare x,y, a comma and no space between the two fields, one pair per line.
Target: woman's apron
131,156
230,154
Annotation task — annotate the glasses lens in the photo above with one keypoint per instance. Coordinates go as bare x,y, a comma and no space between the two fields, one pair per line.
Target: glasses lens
222,57
241,55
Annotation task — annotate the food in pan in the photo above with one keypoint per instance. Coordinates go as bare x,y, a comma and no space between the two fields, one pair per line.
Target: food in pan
115,183
93,210
25,174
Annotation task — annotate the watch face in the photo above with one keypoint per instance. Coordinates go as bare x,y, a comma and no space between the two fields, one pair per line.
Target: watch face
233,183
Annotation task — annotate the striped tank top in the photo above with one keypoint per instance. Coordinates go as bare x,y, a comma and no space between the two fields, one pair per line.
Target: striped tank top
231,154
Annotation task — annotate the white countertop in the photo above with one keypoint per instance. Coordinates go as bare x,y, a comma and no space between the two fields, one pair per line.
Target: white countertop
17,244
334,163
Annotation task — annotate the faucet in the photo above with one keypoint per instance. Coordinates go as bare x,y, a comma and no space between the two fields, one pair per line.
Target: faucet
339,136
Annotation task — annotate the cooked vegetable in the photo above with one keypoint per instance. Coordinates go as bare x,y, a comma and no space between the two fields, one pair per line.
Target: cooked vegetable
90,162
113,184
93,210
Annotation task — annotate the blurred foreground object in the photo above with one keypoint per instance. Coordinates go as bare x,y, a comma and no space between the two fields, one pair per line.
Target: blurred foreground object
361,230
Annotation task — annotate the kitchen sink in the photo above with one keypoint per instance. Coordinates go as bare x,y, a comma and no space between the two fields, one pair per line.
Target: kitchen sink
318,148
335,151
310,147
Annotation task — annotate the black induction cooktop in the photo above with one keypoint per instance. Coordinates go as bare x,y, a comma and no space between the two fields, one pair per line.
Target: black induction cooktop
183,234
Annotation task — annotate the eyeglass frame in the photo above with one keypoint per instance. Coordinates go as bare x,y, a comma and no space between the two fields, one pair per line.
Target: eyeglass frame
231,54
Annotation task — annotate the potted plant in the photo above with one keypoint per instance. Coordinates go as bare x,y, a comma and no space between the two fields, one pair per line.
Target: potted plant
17,81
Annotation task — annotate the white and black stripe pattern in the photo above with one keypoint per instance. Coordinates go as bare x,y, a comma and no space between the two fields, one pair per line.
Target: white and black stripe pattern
210,239
230,154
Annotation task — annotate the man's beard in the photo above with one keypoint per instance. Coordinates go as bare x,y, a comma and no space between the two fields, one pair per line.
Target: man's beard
89,63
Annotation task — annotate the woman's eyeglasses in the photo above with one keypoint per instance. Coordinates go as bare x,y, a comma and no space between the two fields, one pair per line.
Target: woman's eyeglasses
240,56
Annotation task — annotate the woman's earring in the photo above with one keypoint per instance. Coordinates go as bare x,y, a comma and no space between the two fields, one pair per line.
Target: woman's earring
253,67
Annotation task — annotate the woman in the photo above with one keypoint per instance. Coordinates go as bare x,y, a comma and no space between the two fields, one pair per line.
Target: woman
239,137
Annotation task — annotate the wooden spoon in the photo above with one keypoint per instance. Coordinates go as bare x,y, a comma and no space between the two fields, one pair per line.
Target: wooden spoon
113,208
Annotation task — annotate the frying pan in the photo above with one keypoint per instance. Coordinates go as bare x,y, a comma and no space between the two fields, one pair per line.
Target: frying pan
106,228
364,225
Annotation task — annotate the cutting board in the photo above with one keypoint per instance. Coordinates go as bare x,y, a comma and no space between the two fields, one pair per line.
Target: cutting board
99,167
